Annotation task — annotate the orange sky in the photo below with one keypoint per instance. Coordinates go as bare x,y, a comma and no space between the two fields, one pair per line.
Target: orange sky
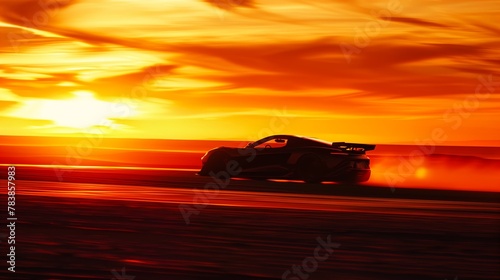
374,71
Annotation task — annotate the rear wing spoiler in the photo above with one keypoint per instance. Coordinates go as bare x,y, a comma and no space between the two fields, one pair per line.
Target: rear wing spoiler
353,147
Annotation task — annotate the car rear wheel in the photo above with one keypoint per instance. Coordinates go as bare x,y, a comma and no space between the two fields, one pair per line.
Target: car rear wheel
311,169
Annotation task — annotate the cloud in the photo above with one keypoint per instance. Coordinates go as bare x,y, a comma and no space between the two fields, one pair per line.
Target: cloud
229,5
417,21
264,55
319,65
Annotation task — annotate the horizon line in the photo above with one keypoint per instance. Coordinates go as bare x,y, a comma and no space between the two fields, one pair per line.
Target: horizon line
455,143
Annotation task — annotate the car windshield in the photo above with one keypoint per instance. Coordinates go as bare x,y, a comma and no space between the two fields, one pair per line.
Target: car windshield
271,143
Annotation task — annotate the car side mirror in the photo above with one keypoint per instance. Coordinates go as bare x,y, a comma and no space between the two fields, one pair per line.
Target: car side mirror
249,145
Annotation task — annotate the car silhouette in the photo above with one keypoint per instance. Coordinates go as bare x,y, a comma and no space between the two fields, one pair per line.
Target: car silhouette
291,157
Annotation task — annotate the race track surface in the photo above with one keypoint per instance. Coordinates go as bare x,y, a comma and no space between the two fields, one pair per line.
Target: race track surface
251,230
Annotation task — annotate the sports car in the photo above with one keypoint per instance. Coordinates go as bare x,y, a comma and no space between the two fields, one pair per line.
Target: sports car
291,157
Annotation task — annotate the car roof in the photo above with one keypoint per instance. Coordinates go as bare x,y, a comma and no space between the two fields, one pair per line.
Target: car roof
301,140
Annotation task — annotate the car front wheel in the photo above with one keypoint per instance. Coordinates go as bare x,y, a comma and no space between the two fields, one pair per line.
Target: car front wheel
217,163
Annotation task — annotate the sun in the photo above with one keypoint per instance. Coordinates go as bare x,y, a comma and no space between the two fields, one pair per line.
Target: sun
83,110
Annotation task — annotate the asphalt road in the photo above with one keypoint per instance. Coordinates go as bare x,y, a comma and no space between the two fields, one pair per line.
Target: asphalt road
178,228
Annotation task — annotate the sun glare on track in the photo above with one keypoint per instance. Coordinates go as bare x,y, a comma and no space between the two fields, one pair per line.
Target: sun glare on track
421,173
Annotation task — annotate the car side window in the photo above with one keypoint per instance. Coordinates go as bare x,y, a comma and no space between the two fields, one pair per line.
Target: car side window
273,144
